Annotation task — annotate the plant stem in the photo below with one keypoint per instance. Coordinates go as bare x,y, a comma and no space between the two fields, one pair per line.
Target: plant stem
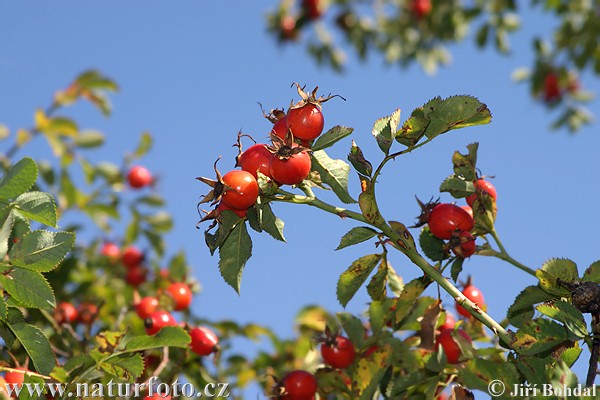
394,155
503,255
434,274
400,243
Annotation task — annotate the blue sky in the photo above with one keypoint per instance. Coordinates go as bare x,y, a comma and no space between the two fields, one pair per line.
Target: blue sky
192,73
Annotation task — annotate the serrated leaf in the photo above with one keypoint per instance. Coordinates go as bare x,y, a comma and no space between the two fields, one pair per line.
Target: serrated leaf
331,137
570,355
169,336
28,288
453,113
356,235
534,369
354,277
432,246
592,273
37,206
18,179
384,130
567,314
369,372
41,250
6,231
413,128
124,366
89,139
270,223
465,165
144,145
353,327
457,187
456,269
377,286
359,162
537,336
234,252
334,173
36,345
411,291
3,309
521,311
479,372
554,269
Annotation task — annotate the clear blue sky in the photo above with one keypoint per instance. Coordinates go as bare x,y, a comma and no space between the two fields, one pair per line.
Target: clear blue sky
192,73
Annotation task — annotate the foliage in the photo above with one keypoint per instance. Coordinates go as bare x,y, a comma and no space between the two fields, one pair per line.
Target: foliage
405,32
43,268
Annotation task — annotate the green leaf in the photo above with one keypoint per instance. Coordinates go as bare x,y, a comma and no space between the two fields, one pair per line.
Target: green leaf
169,336
353,278
3,309
377,286
353,326
457,187
432,247
384,129
89,139
37,206
465,165
144,145
456,269
153,200
567,314
356,235
479,372
571,354
18,179
556,268
6,230
58,126
156,241
331,137
124,366
28,288
334,173
534,369
521,311
41,250
234,252
538,336
161,222
178,266
413,128
36,345
270,223
109,171
359,162
411,291
369,372
592,273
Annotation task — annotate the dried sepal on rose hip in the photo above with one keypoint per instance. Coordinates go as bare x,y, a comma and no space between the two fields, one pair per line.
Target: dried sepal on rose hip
278,118
426,209
237,189
462,244
305,118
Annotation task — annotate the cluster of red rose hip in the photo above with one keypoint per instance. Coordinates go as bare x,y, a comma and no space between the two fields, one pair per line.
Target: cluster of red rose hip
312,10
284,161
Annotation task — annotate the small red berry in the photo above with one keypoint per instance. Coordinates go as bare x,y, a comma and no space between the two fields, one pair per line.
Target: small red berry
240,213
421,8
462,244
474,294
448,323
65,313
338,352
138,177
280,127
204,341
299,385
482,186
146,307
306,122
449,344
181,295
86,313
552,90
132,257
256,158
14,378
158,320
447,218
111,251
136,276
243,190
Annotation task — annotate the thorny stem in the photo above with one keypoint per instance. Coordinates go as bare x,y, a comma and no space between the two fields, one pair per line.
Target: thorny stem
503,255
595,352
398,243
